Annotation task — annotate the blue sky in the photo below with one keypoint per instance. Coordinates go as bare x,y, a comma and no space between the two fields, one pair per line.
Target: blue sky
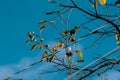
17,17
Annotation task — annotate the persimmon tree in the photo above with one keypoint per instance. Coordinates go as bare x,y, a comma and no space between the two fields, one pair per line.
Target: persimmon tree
92,23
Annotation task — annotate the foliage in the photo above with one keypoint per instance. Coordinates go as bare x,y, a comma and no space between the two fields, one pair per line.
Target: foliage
63,53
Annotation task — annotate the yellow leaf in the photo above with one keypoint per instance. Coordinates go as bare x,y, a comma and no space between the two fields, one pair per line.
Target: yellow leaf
79,53
102,2
42,22
46,55
33,47
5,79
117,36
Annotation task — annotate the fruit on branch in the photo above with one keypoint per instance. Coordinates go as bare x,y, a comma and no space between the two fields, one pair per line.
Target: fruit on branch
40,46
60,44
72,39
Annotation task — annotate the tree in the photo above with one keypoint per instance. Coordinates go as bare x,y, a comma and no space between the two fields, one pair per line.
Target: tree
95,24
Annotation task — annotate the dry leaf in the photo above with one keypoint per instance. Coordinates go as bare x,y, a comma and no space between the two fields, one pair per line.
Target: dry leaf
42,21
54,48
5,79
33,47
79,53
81,60
46,55
72,39
42,27
27,42
69,54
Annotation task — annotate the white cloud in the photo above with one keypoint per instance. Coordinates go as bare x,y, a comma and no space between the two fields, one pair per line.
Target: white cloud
114,75
110,75
5,71
30,74
10,69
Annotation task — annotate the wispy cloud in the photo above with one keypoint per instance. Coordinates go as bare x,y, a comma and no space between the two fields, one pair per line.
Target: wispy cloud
110,75
10,69
114,75
5,71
